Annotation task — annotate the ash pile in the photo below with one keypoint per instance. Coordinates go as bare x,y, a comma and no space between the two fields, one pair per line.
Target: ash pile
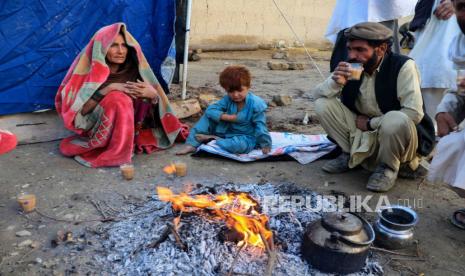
136,246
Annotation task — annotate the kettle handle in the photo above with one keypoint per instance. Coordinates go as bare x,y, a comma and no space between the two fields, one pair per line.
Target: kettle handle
369,230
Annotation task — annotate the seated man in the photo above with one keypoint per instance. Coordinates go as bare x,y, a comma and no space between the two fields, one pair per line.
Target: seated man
111,98
237,122
448,164
379,122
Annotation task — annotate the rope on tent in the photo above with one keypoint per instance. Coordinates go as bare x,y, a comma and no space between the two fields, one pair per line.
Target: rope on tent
299,40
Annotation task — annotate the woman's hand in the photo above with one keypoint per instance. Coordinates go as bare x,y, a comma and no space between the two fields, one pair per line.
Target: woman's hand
115,86
141,89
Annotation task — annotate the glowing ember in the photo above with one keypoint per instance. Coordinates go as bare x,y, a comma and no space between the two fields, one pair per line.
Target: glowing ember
170,169
238,210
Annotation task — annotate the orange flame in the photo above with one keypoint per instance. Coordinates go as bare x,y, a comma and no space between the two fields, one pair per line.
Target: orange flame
238,210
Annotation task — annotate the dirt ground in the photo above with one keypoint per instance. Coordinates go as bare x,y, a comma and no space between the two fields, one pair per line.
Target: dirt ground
65,189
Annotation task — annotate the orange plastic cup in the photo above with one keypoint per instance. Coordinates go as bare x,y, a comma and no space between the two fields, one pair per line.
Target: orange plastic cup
127,171
181,169
27,202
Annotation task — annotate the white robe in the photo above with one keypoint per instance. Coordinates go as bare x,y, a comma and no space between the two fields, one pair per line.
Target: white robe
457,51
350,12
448,164
431,52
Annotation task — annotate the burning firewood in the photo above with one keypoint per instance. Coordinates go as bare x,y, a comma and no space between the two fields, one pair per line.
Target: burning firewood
238,210
231,270
272,254
179,242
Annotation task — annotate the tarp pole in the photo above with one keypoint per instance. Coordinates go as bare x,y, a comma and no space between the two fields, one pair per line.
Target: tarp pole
186,49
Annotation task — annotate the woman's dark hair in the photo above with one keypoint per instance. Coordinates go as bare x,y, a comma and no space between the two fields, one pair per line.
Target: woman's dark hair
131,57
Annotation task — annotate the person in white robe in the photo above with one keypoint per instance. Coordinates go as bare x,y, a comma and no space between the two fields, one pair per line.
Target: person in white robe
448,164
430,54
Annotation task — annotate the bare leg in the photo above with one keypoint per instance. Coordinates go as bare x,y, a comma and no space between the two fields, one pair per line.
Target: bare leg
187,149
204,138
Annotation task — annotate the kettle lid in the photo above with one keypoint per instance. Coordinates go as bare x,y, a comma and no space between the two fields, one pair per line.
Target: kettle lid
344,223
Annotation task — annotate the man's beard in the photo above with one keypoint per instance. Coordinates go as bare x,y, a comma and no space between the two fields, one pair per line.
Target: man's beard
372,62
369,64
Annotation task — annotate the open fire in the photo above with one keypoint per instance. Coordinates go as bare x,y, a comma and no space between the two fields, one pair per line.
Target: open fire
147,242
239,211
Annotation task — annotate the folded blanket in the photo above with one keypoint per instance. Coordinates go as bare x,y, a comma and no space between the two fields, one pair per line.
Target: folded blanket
303,148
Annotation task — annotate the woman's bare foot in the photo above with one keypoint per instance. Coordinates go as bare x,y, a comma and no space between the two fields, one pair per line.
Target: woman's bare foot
204,138
187,149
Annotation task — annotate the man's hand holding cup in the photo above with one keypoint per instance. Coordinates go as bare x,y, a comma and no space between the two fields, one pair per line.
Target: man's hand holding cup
347,71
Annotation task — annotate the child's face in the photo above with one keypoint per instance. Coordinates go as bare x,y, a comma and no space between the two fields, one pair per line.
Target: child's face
238,96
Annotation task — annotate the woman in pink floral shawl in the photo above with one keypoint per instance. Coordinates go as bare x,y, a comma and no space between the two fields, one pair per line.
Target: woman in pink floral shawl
111,98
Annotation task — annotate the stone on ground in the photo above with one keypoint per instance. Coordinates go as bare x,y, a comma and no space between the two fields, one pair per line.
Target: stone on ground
280,55
278,65
282,100
185,108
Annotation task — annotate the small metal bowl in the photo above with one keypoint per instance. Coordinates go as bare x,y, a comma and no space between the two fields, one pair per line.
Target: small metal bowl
394,227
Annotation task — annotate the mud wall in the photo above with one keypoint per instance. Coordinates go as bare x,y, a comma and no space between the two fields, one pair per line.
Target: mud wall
239,21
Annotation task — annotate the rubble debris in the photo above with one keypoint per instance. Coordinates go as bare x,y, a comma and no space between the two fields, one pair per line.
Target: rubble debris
281,44
186,108
207,99
35,244
278,66
272,104
298,44
280,55
282,100
193,56
296,66
23,233
25,243
62,237
285,66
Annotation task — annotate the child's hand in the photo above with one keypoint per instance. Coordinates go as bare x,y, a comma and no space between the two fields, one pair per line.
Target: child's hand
266,150
229,117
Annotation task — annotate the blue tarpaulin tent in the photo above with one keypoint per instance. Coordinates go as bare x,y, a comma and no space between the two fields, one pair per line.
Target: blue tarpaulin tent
40,39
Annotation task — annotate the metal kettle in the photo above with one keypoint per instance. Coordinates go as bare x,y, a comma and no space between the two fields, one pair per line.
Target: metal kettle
338,243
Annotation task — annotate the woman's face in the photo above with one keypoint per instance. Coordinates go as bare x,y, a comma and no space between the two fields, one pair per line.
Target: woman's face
118,51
